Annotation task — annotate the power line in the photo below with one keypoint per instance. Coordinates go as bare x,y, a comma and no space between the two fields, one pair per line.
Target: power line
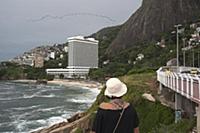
48,16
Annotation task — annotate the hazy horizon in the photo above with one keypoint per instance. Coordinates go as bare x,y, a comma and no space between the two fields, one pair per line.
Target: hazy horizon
27,24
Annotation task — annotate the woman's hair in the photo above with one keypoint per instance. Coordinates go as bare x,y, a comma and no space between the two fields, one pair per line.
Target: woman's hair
111,98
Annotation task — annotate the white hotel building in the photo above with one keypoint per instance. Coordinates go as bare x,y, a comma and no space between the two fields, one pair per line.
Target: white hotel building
82,55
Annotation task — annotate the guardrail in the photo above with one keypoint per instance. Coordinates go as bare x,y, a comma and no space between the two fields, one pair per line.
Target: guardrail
187,85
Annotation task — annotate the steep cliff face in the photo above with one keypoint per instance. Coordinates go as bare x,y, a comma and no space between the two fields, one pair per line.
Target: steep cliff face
153,18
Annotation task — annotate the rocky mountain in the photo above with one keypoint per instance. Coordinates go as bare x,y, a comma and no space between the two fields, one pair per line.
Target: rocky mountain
153,18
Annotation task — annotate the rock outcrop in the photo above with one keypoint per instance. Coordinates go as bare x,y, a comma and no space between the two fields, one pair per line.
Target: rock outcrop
152,19
149,97
81,121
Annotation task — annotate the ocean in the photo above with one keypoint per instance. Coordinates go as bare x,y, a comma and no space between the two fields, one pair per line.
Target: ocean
29,107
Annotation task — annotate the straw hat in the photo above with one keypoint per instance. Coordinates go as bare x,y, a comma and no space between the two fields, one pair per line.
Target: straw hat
115,88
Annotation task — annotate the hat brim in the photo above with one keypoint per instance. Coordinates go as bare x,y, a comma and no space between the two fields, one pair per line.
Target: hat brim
122,92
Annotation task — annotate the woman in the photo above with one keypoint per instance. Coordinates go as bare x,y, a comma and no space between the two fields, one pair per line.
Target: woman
116,116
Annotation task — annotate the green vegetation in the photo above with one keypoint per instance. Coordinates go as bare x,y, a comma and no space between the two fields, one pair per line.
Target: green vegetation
12,71
183,126
140,78
105,37
78,131
127,62
154,117
58,62
36,73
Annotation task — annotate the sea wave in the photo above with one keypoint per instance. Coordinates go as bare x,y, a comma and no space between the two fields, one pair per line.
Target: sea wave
8,99
48,122
23,126
26,108
80,100
50,109
93,90
30,113
55,119
36,95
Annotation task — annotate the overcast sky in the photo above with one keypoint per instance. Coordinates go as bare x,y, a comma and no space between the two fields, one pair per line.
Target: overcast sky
25,24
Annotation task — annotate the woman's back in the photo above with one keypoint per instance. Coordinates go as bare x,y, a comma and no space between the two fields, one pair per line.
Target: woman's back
106,120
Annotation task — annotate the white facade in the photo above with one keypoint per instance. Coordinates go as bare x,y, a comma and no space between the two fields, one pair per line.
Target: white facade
66,49
69,72
52,55
82,55
82,52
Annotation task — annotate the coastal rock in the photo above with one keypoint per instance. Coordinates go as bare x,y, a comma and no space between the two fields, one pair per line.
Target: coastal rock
83,123
149,97
75,117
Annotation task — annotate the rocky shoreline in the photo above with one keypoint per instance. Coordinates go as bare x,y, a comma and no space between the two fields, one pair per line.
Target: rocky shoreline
79,120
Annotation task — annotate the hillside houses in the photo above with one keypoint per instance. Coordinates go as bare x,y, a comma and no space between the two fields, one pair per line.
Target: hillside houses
36,57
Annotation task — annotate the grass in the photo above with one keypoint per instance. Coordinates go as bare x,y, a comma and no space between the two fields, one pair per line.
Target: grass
154,117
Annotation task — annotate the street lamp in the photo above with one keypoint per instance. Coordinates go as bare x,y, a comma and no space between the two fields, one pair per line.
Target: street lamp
177,43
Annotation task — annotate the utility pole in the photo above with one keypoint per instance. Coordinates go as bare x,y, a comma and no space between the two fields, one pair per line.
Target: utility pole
198,60
193,57
178,99
177,43
184,39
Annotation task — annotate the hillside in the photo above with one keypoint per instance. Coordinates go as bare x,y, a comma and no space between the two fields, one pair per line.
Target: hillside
154,117
105,37
152,19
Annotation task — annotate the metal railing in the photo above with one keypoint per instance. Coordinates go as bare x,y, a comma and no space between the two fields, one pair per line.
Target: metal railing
187,85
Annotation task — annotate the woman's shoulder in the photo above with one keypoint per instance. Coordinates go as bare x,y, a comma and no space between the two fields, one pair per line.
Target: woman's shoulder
109,106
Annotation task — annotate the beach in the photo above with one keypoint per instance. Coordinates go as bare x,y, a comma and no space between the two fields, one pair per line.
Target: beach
80,83
66,82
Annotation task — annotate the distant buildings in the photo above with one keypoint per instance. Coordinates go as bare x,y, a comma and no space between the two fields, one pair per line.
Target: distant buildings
52,55
36,57
39,61
33,60
139,57
82,55
161,43
66,49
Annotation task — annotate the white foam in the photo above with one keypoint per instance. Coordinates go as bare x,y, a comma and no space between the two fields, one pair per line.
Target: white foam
6,93
26,108
96,91
21,125
36,95
80,100
56,119
51,95
8,99
88,97
48,122
39,128
50,109
41,121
